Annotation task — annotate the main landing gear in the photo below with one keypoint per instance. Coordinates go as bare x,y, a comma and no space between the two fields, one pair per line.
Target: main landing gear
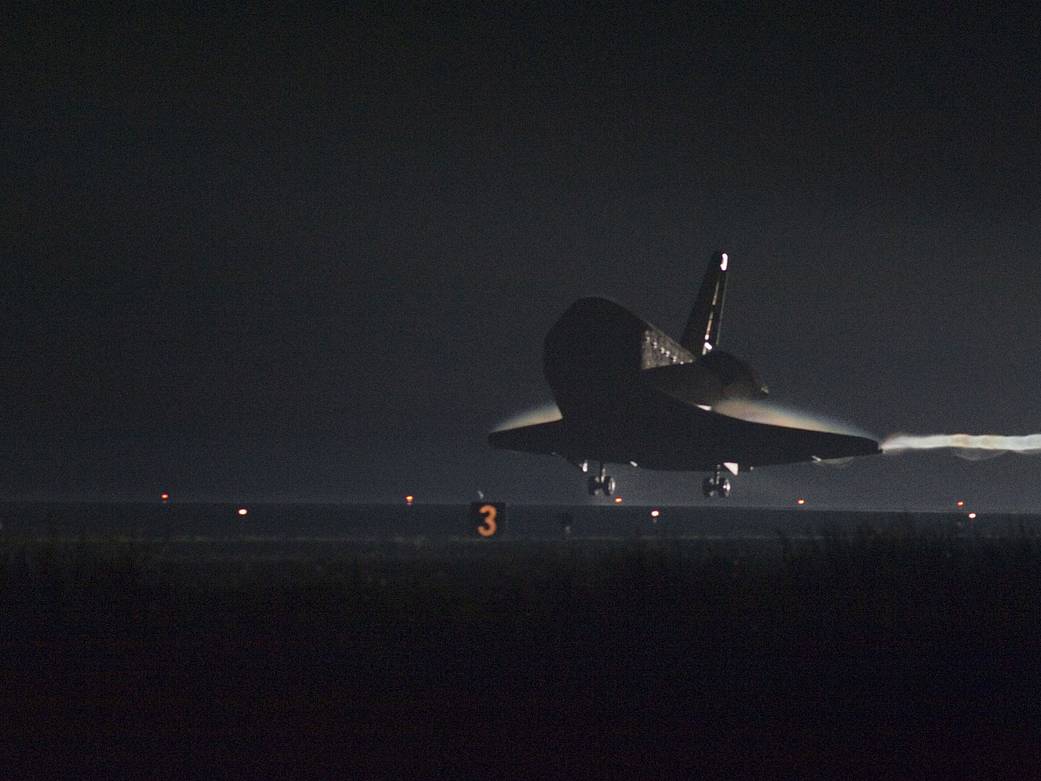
601,483
717,485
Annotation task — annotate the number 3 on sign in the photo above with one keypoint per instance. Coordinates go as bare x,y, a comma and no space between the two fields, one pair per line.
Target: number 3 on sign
488,528
488,519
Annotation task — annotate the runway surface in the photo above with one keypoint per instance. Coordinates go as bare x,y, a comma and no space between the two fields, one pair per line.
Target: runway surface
345,522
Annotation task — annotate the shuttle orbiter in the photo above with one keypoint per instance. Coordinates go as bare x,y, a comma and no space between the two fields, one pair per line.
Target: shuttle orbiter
630,394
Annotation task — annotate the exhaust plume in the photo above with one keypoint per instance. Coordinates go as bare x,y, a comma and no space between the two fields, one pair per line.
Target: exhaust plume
974,447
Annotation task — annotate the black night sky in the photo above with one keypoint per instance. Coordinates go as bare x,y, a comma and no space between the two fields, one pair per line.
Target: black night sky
312,254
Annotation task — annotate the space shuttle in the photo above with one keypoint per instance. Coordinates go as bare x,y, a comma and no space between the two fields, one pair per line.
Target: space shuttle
628,393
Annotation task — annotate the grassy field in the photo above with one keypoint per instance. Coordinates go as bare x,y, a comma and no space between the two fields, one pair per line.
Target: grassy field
855,651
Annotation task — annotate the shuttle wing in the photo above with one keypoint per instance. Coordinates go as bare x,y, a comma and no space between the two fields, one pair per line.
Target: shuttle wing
668,434
547,438
726,438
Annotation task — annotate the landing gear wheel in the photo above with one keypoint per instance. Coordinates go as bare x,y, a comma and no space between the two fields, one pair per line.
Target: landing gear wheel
717,485
600,483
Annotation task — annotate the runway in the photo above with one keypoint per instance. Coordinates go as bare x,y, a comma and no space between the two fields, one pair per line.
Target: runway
370,522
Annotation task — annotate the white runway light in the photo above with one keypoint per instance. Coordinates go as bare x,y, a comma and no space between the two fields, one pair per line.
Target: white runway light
970,446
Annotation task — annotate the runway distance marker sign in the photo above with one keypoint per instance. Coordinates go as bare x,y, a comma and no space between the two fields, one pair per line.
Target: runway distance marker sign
488,518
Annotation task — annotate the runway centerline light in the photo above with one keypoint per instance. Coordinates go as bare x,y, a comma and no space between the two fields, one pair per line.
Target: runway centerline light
242,511
164,496
800,501
972,516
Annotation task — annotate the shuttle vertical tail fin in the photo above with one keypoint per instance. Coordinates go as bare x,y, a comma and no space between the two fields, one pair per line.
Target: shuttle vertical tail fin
702,331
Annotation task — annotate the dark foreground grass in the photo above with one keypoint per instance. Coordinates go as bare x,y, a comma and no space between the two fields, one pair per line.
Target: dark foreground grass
864,653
